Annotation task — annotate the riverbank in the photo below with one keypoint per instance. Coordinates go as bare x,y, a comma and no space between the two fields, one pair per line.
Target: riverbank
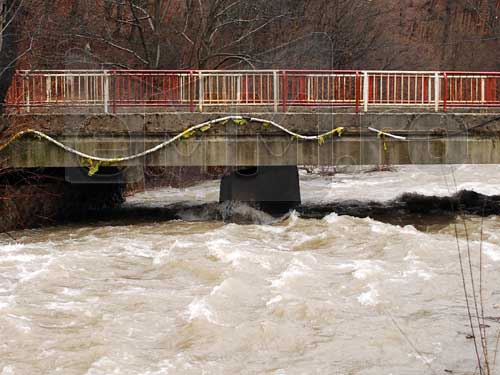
35,199
42,197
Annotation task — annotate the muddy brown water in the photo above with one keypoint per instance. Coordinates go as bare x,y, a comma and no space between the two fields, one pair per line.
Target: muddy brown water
334,295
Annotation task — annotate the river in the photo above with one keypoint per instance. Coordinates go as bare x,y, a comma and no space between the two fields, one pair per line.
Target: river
330,295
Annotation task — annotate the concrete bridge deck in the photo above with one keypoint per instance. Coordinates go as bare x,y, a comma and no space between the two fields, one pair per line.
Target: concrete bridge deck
431,138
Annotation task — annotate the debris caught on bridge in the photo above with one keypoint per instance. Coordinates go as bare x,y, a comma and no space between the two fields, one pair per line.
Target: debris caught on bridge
94,162
382,134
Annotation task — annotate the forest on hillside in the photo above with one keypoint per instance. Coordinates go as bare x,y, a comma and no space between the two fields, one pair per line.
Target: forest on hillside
223,34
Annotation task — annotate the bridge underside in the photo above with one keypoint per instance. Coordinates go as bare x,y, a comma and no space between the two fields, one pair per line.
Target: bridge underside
431,138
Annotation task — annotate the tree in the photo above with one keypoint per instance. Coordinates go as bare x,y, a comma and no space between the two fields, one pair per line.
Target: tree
343,34
177,34
9,11
458,34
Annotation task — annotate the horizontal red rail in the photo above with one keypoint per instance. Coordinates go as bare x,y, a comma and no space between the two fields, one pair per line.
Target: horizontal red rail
195,89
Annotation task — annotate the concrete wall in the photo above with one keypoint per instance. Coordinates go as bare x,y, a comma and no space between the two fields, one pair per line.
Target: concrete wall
433,138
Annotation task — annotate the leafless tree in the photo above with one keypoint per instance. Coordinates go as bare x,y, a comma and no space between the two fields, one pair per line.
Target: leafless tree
340,34
9,10
171,34
179,34
461,34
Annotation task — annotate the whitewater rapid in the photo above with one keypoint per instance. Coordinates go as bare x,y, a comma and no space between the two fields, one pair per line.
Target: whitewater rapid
294,296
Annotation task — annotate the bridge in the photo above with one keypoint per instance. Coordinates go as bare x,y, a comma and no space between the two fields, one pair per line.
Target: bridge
271,119
288,117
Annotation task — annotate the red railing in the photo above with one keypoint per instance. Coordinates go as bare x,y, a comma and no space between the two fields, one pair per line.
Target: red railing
278,89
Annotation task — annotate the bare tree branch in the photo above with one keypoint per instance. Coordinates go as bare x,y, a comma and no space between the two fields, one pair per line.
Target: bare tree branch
114,45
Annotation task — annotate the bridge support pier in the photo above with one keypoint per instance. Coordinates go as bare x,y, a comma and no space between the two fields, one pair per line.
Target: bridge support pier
274,189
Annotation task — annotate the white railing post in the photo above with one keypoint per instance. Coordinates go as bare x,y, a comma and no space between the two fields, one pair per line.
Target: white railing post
429,91
332,98
483,90
106,91
437,91
365,91
28,109
309,89
27,79
181,89
201,91
238,88
275,90
48,88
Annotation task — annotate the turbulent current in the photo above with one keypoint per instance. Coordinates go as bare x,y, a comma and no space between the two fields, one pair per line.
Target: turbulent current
198,294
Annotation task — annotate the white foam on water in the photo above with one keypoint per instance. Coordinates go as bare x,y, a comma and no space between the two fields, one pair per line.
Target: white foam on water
362,269
274,300
382,228
204,192
12,247
21,258
131,291
26,275
293,218
382,186
295,269
216,289
416,267
64,306
71,292
83,237
136,248
164,366
291,221
410,256
369,298
226,256
246,213
410,229
366,279
223,250
101,367
482,188
273,229
199,309
363,273
424,358
491,251
160,256
6,301
242,255
418,272
331,218
22,323
165,253
301,238
386,229
219,242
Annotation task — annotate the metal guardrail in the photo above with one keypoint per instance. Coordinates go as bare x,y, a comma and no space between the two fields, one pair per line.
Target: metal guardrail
278,89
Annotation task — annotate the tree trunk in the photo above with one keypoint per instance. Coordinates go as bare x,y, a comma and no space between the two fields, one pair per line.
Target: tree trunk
8,47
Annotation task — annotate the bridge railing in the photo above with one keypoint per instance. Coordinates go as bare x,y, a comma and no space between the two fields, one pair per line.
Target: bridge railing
56,88
108,91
